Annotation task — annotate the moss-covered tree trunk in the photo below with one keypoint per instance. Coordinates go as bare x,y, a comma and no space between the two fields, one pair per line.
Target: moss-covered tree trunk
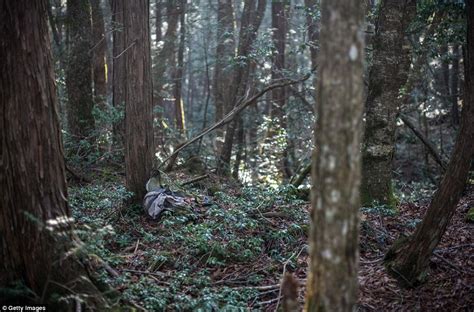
78,74
389,72
139,147
332,280
408,260
33,204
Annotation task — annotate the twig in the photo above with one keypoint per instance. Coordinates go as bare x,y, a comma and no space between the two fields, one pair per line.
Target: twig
455,267
109,269
144,272
195,179
443,250
268,301
371,262
136,246
120,54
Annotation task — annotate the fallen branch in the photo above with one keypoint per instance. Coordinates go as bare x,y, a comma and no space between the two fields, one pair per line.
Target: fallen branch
233,113
430,147
300,177
195,179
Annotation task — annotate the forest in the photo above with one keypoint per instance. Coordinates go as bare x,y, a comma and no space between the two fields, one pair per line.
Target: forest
237,155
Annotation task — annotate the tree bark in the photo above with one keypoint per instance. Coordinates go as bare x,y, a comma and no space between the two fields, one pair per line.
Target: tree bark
99,49
78,73
178,75
158,21
139,147
34,215
313,30
408,259
333,237
166,54
225,52
454,86
118,7
389,72
277,111
251,19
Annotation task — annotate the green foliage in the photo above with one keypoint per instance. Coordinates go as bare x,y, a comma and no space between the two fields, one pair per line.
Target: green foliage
451,30
414,192
95,148
470,215
192,246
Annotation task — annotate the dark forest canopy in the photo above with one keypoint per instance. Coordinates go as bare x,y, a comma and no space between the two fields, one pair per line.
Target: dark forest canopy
237,155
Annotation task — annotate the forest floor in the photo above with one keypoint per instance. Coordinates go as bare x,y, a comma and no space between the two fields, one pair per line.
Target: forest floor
229,248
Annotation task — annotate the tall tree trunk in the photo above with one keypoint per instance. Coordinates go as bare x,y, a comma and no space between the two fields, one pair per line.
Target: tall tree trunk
277,112
333,238
408,260
225,52
139,147
158,21
178,75
109,35
166,54
32,172
313,29
99,49
389,72
119,48
251,19
444,51
454,86
78,73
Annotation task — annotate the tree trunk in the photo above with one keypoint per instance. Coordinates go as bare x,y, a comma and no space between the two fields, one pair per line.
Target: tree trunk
313,29
178,75
99,49
119,68
225,52
277,111
251,19
454,86
166,54
139,147
408,260
389,72
33,205
78,73
158,21
333,237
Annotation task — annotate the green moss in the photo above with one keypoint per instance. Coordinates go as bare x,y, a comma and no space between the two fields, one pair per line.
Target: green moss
470,215
367,200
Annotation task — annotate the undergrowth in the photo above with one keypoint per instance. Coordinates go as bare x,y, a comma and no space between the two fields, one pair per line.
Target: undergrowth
208,257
